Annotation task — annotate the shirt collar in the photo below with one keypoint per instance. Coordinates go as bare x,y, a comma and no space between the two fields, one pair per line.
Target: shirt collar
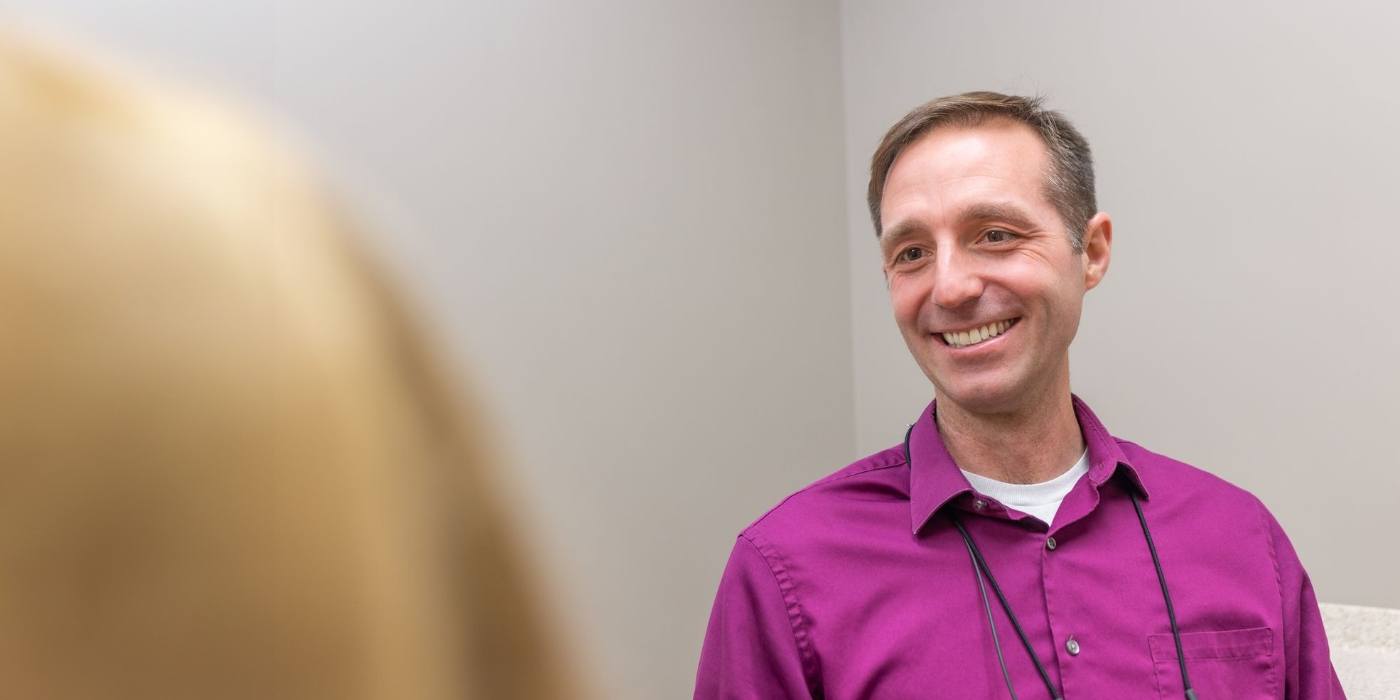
935,480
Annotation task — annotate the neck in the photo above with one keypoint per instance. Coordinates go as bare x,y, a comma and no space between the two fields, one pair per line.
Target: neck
1033,443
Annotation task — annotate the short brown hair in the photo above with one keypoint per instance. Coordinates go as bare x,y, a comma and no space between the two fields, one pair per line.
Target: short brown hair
1069,185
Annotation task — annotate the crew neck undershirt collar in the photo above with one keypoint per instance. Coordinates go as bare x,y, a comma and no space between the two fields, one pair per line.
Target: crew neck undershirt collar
1041,500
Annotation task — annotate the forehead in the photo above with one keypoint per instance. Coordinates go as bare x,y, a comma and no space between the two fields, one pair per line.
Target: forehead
952,168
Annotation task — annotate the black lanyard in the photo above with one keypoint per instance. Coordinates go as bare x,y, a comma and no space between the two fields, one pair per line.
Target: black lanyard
981,569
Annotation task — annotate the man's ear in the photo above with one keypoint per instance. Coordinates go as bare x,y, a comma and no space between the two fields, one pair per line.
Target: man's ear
1098,245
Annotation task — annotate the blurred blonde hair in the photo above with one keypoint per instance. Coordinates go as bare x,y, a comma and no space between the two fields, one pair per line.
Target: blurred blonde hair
229,465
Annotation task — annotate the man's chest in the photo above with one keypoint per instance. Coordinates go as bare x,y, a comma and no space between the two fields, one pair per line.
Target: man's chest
903,619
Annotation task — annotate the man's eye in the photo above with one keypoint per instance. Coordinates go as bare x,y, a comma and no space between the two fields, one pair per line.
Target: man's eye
910,254
997,235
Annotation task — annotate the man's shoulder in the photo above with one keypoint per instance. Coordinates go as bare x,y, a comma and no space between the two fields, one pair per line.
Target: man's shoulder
1174,480
876,481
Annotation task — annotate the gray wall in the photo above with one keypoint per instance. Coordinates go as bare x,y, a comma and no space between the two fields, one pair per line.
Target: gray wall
631,219
641,228
1248,152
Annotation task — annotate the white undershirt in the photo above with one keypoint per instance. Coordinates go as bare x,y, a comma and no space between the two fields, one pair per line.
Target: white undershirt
1041,500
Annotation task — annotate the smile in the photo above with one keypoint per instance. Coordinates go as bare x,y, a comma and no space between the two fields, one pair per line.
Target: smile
974,336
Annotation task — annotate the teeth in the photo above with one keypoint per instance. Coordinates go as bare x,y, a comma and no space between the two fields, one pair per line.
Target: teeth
976,335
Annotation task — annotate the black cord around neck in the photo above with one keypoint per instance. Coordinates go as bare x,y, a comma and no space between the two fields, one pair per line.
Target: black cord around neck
991,621
1166,596
981,563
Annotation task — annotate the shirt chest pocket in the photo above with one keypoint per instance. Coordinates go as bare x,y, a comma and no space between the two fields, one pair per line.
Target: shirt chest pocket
1235,664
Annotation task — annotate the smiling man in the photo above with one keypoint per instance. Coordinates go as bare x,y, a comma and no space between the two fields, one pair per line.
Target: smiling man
1010,546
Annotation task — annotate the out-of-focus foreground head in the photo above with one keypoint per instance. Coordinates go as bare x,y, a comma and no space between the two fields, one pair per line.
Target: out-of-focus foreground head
229,467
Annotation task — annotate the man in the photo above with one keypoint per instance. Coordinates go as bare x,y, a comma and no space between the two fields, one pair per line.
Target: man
1010,547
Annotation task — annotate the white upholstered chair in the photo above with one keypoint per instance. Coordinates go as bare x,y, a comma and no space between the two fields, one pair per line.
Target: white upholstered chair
1365,645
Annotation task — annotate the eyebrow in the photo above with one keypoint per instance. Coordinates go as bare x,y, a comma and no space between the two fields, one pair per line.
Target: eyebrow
997,211
891,238
977,213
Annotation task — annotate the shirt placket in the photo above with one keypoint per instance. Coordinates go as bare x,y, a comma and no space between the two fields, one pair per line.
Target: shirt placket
1063,641
1067,646
1068,633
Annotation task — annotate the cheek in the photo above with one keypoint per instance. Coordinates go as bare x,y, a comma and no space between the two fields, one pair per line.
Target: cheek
906,300
1065,307
1074,308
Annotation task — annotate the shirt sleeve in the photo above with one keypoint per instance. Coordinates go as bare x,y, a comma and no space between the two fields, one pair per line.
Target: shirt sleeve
750,651
1308,672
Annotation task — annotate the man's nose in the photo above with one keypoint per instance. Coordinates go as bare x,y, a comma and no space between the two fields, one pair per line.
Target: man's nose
956,281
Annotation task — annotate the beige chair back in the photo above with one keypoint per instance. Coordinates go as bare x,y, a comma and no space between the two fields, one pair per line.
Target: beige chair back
1365,645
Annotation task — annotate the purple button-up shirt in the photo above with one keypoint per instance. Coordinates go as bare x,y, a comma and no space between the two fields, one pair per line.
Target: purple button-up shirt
859,586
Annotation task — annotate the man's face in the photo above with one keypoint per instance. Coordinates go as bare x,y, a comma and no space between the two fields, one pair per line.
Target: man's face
973,248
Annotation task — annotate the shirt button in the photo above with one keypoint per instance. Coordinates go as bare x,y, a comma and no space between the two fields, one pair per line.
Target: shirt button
1072,647
1050,543
979,504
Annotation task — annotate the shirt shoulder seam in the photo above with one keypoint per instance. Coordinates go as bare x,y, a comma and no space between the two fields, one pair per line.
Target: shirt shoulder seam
797,624
876,466
1262,513
830,478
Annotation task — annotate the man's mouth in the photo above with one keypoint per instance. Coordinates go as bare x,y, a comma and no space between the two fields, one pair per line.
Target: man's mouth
980,334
